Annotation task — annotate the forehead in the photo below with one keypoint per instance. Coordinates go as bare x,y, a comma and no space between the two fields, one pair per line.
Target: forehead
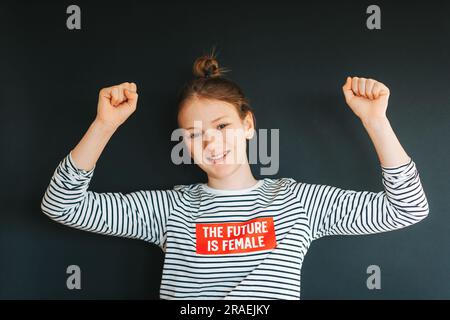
206,111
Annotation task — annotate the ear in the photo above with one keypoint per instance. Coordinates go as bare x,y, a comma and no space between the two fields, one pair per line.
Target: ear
249,126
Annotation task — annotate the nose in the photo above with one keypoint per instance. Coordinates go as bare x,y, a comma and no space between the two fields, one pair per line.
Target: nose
209,139
212,141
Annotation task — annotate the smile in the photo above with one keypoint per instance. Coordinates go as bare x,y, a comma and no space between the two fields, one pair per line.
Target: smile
218,157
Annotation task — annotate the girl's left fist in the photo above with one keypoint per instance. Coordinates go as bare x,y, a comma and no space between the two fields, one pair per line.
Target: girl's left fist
367,98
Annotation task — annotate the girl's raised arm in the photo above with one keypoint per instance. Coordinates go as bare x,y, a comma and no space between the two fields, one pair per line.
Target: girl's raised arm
334,211
140,215
115,105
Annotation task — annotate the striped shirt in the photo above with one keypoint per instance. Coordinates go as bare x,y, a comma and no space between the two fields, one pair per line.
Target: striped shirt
235,244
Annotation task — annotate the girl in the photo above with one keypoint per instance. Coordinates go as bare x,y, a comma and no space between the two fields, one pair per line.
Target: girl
234,237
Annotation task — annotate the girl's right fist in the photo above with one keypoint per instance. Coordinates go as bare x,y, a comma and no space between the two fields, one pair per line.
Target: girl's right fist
117,103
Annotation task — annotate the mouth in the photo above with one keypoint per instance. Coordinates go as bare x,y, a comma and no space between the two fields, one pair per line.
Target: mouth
220,158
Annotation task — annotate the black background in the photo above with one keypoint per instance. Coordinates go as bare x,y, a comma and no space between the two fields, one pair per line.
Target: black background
291,59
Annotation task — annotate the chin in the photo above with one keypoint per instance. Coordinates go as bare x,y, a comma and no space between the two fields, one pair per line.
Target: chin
221,171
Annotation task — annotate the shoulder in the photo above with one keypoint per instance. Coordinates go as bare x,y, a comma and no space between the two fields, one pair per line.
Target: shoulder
289,185
173,194
279,182
285,183
188,188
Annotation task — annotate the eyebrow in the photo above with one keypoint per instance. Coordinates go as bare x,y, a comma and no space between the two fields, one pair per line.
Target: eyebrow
215,120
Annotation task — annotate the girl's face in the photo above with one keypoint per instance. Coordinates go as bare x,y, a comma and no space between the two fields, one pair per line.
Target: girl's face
215,135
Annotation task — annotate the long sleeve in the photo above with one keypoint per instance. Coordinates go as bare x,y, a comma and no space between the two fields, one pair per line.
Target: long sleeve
334,211
141,215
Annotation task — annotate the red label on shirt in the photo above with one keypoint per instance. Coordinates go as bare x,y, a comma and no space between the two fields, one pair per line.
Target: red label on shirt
235,237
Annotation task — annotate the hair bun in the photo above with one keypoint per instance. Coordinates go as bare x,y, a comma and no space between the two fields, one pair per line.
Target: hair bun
207,66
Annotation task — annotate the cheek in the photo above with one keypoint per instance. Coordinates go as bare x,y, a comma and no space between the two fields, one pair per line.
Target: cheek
237,143
241,149
236,140
194,147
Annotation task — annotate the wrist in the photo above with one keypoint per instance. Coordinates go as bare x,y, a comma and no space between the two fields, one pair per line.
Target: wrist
104,126
375,123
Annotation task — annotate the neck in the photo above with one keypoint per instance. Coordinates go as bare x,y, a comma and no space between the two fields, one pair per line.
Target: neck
242,178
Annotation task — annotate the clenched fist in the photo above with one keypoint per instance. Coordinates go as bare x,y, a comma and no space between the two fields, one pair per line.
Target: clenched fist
367,98
117,103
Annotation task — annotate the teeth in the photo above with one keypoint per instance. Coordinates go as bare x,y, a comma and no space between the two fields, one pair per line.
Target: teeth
218,156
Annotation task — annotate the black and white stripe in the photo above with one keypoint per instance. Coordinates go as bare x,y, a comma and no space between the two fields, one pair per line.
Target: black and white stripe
302,212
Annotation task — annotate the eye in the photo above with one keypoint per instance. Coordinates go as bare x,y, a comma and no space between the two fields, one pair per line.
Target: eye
194,135
222,125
